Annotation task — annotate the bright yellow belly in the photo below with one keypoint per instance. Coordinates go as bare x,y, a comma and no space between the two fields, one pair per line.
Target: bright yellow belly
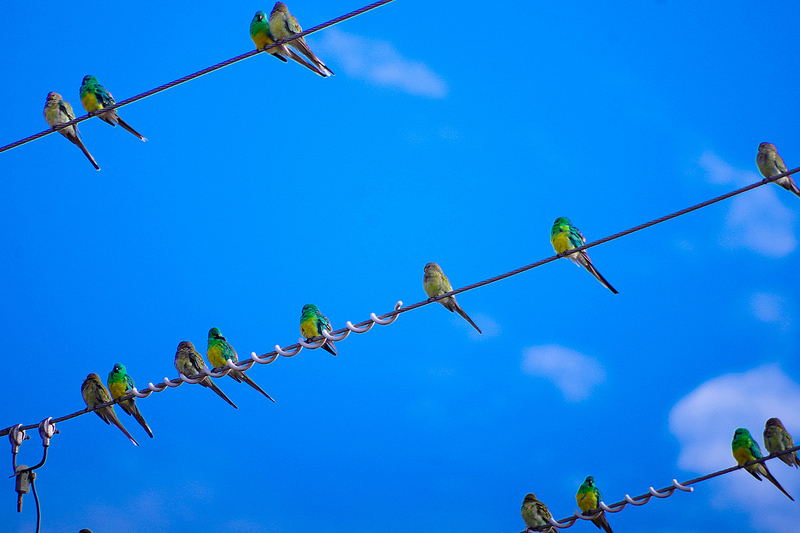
561,243
90,103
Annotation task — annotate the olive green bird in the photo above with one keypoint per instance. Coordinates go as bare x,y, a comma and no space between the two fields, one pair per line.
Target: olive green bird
589,498
95,98
436,283
94,393
190,363
220,352
119,383
564,236
745,449
283,26
777,439
57,111
770,163
313,323
262,36
536,514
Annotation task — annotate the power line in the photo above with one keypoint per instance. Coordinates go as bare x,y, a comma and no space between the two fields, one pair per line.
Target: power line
388,318
199,73
661,493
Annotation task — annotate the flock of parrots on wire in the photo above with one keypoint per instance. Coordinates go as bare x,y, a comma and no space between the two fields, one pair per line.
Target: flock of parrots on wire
564,237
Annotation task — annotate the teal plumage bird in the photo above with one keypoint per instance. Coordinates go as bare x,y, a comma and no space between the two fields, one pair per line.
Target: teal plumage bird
220,352
94,393
95,98
313,323
262,36
283,26
119,383
564,236
746,449
535,514
436,283
57,111
777,439
770,163
589,498
190,363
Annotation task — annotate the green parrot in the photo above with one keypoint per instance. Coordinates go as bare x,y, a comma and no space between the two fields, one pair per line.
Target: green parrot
94,393
770,163
283,26
564,236
536,514
119,383
745,449
436,283
57,111
313,323
589,498
95,97
262,36
777,439
190,363
219,352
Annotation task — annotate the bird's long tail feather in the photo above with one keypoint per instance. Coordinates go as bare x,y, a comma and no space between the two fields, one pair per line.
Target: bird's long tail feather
295,56
244,377
467,318
329,347
587,264
127,127
80,145
210,384
301,45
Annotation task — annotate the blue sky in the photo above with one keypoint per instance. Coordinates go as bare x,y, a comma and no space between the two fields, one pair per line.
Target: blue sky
444,136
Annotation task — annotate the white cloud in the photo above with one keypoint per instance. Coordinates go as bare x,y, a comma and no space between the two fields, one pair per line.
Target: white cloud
704,421
756,219
572,372
770,308
378,62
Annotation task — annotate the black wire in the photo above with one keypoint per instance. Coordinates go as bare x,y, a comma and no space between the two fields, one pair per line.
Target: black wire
465,288
198,73
36,499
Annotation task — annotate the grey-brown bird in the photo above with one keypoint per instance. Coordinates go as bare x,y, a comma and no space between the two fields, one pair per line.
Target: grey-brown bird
536,514
190,363
777,439
770,163
57,111
94,393
436,283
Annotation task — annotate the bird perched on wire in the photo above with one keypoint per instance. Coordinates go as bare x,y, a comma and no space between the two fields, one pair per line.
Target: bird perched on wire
770,163
95,97
777,439
745,449
283,26
94,393
220,352
262,36
119,383
313,323
589,498
564,236
436,283
536,514
190,363
57,111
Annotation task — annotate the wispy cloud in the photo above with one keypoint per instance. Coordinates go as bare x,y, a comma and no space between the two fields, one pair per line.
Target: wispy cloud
572,372
756,219
379,62
704,421
770,308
